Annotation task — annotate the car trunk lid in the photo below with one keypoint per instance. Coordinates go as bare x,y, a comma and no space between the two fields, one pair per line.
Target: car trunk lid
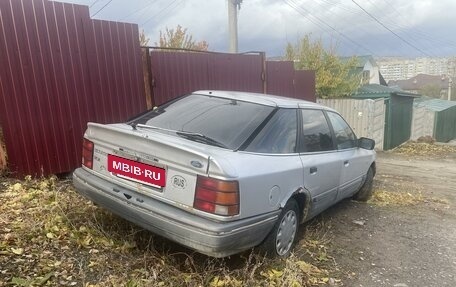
153,163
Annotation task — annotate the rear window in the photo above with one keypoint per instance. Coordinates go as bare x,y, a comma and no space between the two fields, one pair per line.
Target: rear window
316,133
227,121
279,134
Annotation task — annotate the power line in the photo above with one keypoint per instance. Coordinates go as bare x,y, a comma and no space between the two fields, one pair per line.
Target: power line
161,11
429,42
93,3
422,33
323,22
405,32
332,28
356,12
140,9
101,9
394,33
173,8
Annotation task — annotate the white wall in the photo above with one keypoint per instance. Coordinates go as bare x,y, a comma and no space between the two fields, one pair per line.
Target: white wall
366,117
422,123
374,72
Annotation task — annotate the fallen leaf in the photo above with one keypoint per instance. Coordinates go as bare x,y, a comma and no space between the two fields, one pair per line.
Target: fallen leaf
17,251
20,282
42,281
17,187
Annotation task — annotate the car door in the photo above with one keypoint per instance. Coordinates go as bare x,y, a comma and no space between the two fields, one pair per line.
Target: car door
320,159
355,161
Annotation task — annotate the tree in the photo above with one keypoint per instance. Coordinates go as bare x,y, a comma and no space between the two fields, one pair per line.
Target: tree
143,39
334,77
178,38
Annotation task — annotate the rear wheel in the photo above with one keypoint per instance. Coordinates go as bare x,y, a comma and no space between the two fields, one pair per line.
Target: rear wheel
281,239
365,192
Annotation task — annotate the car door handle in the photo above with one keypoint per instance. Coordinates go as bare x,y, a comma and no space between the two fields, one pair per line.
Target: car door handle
313,170
346,163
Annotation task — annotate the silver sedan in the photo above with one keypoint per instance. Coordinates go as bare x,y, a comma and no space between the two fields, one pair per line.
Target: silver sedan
221,172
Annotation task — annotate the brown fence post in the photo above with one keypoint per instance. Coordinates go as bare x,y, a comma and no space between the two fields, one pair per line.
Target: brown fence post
147,77
263,73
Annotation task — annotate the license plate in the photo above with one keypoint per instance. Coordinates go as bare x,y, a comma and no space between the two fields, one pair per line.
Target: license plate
137,170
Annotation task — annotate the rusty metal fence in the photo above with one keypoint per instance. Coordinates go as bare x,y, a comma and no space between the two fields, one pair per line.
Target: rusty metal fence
60,69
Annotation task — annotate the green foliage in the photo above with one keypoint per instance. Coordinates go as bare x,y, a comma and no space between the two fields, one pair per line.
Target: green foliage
178,38
334,77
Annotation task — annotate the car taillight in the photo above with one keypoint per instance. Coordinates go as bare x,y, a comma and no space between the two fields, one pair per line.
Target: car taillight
216,196
87,153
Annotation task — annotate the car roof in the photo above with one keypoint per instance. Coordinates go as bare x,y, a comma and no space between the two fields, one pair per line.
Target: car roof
263,99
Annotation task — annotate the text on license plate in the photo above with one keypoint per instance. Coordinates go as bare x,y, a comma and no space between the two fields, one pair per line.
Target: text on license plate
136,170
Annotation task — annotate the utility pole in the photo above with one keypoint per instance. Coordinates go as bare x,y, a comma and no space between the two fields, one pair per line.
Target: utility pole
452,68
450,82
233,6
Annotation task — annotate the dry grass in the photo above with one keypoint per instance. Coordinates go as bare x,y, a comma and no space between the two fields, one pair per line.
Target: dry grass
393,190
51,236
383,197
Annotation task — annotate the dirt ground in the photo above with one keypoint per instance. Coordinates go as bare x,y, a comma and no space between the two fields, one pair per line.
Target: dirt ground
411,245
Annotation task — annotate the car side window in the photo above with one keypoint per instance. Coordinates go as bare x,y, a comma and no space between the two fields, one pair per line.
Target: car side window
278,135
345,138
316,133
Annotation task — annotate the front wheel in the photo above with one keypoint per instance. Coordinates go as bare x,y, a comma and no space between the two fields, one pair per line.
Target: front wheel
281,239
365,192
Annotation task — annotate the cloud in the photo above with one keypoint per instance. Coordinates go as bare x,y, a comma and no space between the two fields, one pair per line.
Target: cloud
268,25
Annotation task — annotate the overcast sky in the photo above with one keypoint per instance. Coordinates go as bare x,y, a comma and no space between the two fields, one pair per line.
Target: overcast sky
418,28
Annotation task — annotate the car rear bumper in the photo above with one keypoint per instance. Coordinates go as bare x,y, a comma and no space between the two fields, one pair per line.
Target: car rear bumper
214,238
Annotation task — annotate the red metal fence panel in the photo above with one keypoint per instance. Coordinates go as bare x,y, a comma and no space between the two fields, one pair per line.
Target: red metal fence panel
58,70
280,76
304,84
175,73
178,73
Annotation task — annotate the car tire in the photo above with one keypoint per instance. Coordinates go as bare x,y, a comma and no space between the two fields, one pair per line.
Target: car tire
282,237
365,192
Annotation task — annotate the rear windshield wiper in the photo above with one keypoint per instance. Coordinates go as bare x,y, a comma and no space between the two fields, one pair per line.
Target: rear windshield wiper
151,128
188,135
200,138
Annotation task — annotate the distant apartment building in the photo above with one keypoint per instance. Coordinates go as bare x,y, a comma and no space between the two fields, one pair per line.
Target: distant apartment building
394,68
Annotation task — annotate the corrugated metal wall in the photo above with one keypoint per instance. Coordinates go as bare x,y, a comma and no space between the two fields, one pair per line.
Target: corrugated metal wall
366,117
177,73
60,69
280,77
283,80
398,121
437,118
445,125
304,82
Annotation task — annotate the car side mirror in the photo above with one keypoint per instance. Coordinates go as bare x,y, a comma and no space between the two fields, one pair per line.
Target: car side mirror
366,143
